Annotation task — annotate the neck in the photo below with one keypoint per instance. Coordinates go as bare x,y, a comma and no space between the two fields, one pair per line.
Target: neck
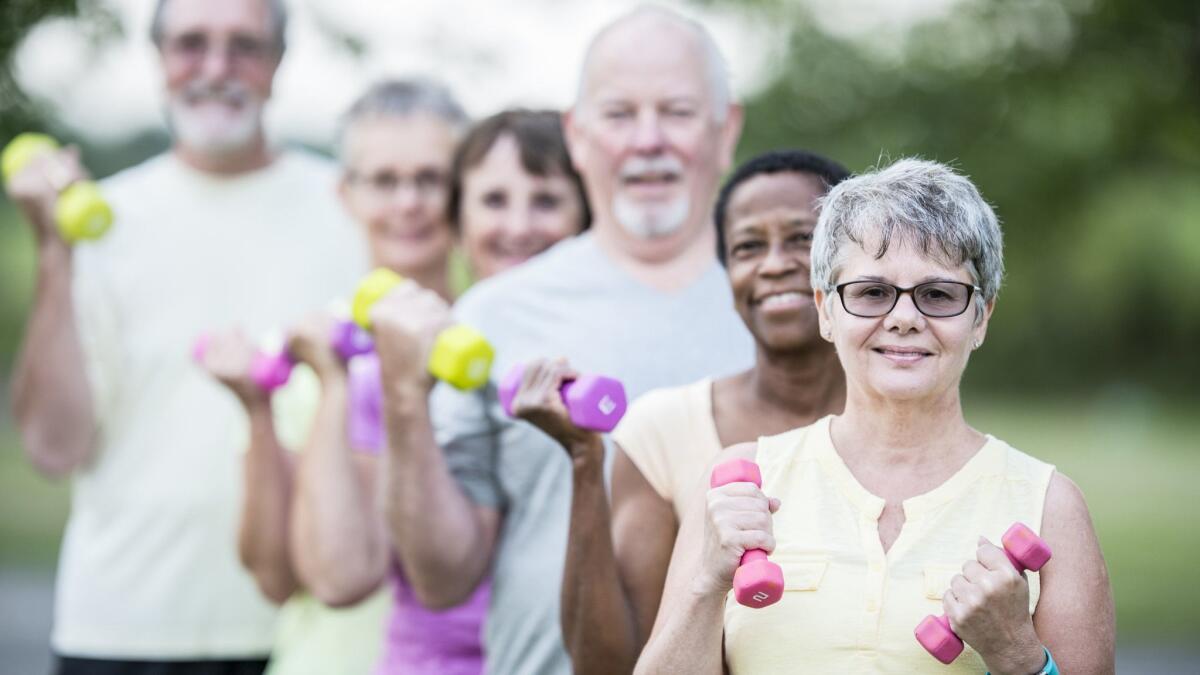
666,263
904,432
250,158
435,277
807,383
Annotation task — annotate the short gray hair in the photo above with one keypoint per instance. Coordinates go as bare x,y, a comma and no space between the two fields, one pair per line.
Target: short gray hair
926,204
716,70
279,20
404,98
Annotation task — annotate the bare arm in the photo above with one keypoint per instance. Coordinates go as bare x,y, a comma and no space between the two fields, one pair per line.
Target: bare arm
615,567
339,543
443,539
688,635
52,401
1075,613
267,493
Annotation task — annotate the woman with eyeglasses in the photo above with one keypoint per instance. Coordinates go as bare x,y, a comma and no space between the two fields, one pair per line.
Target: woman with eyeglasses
894,509
506,191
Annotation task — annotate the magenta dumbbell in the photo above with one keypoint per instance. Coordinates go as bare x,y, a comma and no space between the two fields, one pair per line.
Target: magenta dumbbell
593,402
758,582
1025,550
364,421
269,370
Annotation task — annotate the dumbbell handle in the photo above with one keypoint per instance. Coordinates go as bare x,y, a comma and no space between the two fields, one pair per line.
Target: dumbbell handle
934,632
758,582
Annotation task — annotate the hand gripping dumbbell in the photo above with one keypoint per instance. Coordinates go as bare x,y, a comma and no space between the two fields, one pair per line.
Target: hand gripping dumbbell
758,582
461,356
593,402
1025,550
80,212
270,369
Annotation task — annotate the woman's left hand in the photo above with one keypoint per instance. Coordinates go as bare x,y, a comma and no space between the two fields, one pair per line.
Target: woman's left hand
539,401
988,607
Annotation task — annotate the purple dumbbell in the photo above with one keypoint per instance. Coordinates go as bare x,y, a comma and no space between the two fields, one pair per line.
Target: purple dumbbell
593,402
350,340
1025,550
364,421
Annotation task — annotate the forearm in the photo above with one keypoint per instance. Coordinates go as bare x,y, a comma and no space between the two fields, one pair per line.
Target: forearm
437,531
267,492
52,403
690,640
337,548
597,619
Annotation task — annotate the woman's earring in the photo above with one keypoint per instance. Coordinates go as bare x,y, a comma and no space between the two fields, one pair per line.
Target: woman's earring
978,344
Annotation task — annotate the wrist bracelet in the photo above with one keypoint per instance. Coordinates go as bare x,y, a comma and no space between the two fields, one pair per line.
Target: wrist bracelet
1051,668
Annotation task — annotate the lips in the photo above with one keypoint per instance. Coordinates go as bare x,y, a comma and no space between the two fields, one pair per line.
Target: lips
779,299
902,354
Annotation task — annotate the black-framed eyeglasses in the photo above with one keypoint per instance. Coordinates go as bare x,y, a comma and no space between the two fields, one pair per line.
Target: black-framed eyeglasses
938,299
426,182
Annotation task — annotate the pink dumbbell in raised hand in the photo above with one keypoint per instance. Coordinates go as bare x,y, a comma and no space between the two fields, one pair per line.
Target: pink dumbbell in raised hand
1025,550
593,402
758,582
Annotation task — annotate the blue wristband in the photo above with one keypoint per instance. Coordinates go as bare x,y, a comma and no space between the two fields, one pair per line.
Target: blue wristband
1051,668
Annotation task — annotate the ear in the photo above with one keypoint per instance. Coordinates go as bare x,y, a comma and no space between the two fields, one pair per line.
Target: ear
824,321
343,189
980,331
731,132
573,135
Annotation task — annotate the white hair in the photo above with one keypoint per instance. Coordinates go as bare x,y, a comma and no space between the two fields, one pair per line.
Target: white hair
926,204
276,8
716,70
404,98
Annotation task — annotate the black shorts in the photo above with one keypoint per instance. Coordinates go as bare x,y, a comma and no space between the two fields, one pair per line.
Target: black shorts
69,665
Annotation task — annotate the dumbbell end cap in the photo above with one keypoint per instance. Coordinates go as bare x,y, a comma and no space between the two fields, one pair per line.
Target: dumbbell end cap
509,384
758,584
735,471
373,287
1025,547
935,636
23,148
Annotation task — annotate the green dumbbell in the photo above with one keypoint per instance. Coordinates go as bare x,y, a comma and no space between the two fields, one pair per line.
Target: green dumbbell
80,212
461,356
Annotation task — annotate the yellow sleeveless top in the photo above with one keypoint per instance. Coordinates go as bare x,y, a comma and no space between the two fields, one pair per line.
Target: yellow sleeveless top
847,606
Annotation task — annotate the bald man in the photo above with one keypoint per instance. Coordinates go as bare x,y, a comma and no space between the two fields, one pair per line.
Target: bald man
640,297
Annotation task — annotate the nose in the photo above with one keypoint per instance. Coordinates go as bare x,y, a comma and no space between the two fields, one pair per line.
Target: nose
904,317
779,262
405,197
217,63
648,138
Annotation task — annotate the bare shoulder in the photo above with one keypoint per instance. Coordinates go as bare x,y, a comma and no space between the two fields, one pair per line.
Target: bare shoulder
747,450
1066,512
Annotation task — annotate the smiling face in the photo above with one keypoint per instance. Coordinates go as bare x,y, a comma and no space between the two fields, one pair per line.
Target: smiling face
219,59
395,184
903,355
645,135
767,248
508,214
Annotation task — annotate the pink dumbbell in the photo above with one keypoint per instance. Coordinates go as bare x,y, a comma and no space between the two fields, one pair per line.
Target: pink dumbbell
594,402
758,582
269,370
1025,550
364,422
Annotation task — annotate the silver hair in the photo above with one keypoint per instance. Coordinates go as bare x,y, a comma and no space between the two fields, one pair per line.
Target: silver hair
925,204
715,68
279,20
404,98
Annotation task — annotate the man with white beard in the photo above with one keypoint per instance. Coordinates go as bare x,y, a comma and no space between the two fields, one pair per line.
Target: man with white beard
219,231
639,297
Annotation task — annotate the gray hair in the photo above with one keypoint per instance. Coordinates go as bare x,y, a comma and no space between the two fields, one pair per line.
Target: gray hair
716,70
926,204
279,19
404,98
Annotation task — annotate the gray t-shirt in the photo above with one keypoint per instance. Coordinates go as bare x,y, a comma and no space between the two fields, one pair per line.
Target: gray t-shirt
572,301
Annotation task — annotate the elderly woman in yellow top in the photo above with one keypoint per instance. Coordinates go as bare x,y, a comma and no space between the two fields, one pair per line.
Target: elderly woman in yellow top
875,511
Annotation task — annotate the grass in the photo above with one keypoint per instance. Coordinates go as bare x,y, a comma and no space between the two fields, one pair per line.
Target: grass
1136,461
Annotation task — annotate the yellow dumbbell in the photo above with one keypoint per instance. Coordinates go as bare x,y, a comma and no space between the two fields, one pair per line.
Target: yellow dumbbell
461,356
80,212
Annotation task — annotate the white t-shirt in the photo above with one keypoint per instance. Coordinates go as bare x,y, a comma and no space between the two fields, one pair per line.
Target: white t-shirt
149,566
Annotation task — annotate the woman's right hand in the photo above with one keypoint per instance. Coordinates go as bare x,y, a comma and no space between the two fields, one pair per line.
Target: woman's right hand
309,342
737,519
406,323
